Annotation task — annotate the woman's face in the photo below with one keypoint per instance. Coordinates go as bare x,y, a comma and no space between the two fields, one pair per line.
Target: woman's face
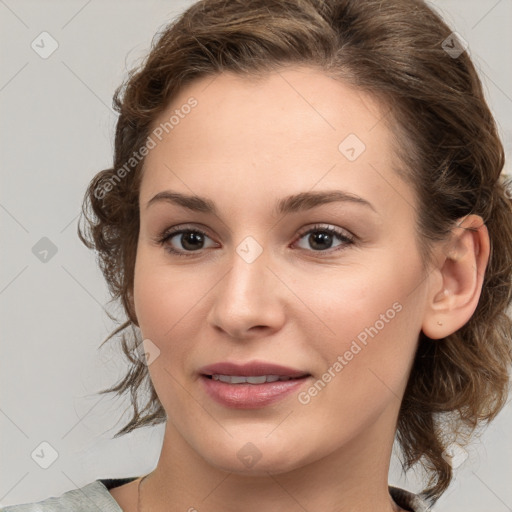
300,253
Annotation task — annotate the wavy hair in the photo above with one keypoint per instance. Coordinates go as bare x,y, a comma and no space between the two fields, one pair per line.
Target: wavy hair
445,136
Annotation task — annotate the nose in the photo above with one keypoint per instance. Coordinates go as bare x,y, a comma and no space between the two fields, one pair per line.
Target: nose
248,301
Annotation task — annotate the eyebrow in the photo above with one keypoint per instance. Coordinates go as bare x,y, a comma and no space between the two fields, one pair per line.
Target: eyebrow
290,204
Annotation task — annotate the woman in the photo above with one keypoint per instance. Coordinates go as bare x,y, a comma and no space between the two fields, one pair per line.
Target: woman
306,225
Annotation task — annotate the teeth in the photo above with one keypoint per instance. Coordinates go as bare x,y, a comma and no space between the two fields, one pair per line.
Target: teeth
257,380
235,379
240,379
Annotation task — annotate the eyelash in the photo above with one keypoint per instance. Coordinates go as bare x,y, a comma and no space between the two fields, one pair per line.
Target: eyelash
346,239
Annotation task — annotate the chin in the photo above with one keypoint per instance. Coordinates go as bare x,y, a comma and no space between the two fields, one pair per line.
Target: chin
261,467
256,458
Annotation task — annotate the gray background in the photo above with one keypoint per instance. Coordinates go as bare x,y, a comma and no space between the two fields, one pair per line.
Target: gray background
56,132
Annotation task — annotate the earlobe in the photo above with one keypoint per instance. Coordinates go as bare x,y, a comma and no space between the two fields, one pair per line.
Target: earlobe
453,298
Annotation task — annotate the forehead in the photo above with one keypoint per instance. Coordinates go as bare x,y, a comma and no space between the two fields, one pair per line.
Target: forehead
287,130
313,104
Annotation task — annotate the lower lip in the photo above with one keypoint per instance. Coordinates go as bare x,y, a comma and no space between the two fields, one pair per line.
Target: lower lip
250,396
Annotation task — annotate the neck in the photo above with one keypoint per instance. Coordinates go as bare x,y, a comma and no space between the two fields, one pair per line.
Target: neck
355,477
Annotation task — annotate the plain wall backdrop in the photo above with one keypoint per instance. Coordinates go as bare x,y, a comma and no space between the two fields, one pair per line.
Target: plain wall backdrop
56,132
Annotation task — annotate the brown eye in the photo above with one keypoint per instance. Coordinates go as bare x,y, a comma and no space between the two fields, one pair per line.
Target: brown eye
183,241
321,238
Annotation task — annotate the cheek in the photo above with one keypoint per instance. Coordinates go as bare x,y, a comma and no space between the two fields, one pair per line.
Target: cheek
164,302
164,299
371,318
348,300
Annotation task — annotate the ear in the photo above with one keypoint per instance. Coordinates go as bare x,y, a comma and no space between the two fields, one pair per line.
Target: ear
456,281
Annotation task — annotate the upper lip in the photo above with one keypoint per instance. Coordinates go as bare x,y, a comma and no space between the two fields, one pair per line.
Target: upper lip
253,368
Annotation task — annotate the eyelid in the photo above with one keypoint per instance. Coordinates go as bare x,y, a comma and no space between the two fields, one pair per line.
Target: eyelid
168,233
327,227
182,227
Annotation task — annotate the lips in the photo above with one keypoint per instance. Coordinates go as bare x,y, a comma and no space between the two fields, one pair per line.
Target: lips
252,385
252,369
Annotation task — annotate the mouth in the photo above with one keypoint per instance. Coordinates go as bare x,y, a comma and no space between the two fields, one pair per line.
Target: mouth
258,369
252,385
254,379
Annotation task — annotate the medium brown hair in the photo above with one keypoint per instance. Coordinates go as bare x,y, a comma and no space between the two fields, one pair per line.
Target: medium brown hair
446,139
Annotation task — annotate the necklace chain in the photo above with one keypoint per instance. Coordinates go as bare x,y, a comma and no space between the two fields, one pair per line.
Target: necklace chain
139,494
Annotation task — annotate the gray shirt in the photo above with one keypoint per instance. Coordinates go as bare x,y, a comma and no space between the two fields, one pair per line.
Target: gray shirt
95,497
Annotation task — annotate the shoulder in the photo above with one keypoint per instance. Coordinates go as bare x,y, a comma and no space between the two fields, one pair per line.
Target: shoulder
96,495
93,496
408,500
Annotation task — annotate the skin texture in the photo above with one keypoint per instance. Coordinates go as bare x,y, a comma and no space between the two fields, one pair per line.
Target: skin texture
246,145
